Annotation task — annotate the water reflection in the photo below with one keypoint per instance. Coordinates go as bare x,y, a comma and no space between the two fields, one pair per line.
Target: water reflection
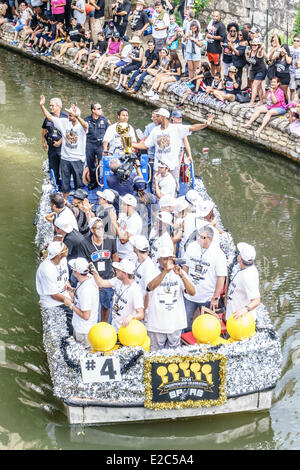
258,196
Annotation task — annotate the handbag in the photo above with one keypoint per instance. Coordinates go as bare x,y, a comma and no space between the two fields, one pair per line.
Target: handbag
271,72
243,97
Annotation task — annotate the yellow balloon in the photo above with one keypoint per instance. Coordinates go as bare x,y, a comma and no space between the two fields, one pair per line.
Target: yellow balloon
102,336
218,341
146,344
206,328
242,327
134,334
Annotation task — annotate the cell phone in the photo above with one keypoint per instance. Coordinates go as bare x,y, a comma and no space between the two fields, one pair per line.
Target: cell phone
179,261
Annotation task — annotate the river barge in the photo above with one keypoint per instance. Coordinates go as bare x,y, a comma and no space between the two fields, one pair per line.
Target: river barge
243,374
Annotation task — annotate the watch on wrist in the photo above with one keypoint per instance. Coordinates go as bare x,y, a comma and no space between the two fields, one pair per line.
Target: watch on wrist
248,308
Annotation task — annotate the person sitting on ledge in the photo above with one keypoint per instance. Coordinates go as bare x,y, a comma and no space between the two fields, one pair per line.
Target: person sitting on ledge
73,38
198,83
171,74
275,106
231,86
114,48
150,62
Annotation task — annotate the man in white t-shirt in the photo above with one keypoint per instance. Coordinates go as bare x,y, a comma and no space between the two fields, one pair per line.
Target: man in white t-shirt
112,142
52,280
160,23
73,130
128,302
205,264
166,314
243,291
167,139
164,182
84,301
129,223
60,210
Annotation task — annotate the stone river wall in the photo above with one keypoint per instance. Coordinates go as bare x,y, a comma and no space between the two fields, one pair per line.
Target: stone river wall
276,137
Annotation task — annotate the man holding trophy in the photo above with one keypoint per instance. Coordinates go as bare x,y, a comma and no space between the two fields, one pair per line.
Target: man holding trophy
112,140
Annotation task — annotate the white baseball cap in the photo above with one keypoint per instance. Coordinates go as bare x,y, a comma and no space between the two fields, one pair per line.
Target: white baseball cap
163,112
204,208
107,194
129,199
164,163
93,221
77,111
80,265
193,197
63,224
246,251
182,204
165,217
124,265
165,251
54,248
140,242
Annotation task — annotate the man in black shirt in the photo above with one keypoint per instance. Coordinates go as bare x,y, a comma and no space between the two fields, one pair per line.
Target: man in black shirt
150,61
99,16
215,32
51,137
121,10
94,140
101,251
139,20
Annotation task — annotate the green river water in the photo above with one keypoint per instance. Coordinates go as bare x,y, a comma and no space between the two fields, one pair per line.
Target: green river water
258,196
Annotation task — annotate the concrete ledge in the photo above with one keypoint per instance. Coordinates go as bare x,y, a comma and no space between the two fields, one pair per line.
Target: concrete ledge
276,137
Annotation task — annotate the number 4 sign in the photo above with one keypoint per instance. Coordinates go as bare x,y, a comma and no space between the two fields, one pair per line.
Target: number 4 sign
100,369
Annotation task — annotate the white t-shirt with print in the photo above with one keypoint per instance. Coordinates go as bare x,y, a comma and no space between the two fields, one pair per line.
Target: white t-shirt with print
51,280
205,266
167,184
160,23
243,288
74,139
125,301
114,138
168,143
166,311
86,298
145,272
67,216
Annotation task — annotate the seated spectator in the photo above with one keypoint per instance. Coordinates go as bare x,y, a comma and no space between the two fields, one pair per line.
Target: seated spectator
294,120
258,71
173,34
172,73
164,59
164,182
229,40
150,62
238,49
139,20
43,29
32,27
6,14
231,86
275,105
217,84
114,48
124,59
136,56
48,37
86,48
61,36
23,18
99,49
193,44
199,83
74,34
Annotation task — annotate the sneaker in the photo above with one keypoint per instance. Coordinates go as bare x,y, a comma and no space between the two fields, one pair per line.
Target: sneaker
149,93
13,43
72,62
47,54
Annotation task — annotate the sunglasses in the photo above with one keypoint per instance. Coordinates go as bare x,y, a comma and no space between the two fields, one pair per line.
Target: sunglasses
296,40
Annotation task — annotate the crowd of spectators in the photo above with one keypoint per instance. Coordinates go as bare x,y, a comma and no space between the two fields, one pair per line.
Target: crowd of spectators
218,63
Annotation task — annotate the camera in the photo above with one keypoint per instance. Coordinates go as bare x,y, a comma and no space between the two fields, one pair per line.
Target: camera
179,261
126,168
